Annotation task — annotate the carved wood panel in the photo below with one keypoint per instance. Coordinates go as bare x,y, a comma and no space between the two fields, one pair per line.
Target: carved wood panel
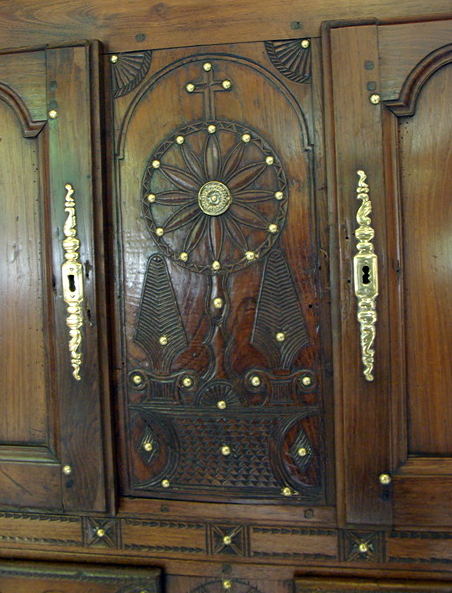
218,279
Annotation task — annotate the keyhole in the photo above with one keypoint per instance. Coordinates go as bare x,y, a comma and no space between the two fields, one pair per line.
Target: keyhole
366,274
71,280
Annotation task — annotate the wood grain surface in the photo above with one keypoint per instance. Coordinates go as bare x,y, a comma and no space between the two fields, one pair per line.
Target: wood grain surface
137,25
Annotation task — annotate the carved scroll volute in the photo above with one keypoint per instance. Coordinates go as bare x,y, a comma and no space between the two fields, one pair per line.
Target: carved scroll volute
366,278
72,280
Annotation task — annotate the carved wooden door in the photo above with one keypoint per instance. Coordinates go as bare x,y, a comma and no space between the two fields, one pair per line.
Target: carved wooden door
391,87
51,453
218,275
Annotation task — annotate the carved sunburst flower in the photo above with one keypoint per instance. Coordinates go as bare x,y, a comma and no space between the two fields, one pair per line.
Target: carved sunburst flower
215,196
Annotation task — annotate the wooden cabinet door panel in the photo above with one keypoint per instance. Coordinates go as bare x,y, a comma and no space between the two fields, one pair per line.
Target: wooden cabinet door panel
51,445
222,388
400,79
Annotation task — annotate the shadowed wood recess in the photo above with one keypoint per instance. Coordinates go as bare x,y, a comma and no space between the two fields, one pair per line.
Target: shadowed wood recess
136,25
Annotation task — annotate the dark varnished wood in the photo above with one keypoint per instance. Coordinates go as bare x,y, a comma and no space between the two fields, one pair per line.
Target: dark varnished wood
363,408
46,424
171,298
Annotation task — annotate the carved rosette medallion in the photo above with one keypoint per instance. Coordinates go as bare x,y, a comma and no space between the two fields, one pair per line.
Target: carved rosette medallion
215,197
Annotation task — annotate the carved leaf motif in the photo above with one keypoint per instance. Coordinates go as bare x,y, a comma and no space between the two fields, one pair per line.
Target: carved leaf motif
233,160
175,197
193,163
182,179
279,311
246,176
181,217
212,158
159,316
236,234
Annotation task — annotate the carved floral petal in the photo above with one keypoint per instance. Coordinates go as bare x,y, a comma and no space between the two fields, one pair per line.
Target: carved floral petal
245,176
174,198
181,179
212,158
193,163
250,196
232,161
216,237
180,218
235,232
248,216
196,233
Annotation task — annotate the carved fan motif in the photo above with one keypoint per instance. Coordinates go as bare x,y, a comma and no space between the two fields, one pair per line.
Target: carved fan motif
128,71
215,197
291,58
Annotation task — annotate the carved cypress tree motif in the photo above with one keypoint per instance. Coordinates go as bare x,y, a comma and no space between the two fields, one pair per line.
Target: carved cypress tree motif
160,331
279,330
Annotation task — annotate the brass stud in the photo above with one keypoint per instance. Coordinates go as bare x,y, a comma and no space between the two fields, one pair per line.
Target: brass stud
183,256
180,140
255,381
165,483
269,160
151,198
114,58
221,405
225,450
375,99
218,302
246,138
207,66
159,231
273,228
305,43
190,87
227,540
279,195
280,336
100,532
156,164
148,447
53,114
216,265
250,255
384,479
137,379
363,548
227,584
212,129
226,84
67,470
302,452
163,340
187,382
306,380
286,491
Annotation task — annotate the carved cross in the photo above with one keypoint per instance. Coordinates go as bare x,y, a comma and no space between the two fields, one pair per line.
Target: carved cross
208,86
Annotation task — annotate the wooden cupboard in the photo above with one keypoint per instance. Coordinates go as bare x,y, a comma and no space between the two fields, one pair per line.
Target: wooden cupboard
180,228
